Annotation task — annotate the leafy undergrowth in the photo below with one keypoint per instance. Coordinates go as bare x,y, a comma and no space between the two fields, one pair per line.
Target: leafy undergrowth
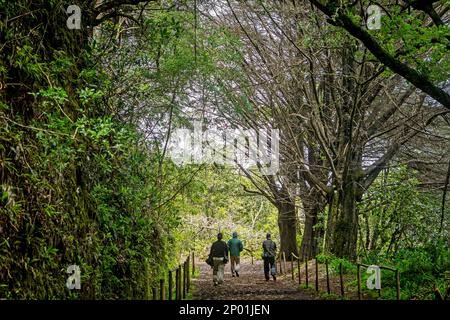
421,271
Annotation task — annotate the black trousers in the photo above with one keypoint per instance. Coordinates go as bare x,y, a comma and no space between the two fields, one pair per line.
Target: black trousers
268,264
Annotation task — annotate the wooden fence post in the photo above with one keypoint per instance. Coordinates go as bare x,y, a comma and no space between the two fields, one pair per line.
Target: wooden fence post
292,266
317,275
193,263
188,275
298,269
154,293
306,272
281,268
162,295
397,277
358,274
284,262
177,284
328,277
184,280
170,285
341,279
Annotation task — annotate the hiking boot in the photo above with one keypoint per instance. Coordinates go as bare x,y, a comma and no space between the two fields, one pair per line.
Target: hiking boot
232,275
274,278
237,274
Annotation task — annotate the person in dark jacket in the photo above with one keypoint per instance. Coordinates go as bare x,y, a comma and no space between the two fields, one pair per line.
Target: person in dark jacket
219,254
269,253
235,245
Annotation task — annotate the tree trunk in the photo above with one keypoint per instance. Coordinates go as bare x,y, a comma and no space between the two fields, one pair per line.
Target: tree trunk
312,233
287,223
342,228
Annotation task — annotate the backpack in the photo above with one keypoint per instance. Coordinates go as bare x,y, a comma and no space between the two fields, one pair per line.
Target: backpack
269,248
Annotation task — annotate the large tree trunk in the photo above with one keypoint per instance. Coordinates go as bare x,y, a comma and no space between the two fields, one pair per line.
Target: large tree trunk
309,247
287,223
342,227
312,232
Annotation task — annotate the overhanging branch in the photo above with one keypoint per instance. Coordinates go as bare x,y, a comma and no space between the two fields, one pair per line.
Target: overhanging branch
418,80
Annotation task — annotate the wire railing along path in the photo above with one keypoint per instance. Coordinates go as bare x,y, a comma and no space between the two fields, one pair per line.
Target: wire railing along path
283,270
183,276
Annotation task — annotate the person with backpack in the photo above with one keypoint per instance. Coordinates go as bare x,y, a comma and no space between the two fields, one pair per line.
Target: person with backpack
269,253
235,245
218,257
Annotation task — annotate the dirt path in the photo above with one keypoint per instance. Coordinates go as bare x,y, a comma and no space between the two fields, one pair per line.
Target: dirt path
251,285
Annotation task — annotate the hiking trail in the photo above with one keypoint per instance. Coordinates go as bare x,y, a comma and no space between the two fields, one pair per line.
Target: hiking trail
250,285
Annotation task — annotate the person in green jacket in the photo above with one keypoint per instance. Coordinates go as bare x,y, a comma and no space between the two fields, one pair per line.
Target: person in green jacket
235,246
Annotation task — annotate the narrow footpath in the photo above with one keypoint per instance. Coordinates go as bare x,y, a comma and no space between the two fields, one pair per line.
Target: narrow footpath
250,285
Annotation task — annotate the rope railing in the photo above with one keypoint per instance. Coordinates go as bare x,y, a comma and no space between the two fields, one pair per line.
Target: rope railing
397,279
183,274
282,260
